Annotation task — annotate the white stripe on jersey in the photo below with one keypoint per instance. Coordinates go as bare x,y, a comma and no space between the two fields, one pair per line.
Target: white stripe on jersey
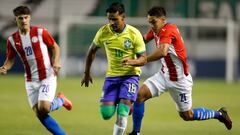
44,50
31,59
13,43
29,47
177,62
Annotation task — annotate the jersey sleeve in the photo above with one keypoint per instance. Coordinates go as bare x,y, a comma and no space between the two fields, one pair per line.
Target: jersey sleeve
149,35
47,38
166,36
139,43
97,38
11,53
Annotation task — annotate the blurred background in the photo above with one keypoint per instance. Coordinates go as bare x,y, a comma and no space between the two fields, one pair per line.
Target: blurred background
210,29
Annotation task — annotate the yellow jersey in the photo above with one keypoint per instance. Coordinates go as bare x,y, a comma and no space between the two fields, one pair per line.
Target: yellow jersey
128,43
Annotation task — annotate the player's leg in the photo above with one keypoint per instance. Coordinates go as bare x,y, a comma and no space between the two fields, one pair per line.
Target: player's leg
47,103
138,108
152,87
205,114
183,99
47,92
45,119
108,98
200,114
107,110
127,94
48,122
123,109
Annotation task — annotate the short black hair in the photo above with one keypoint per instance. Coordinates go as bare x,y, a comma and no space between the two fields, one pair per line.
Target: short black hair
157,11
116,7
21,10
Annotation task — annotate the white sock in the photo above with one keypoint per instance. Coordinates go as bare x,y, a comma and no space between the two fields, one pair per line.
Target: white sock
120,126
118,130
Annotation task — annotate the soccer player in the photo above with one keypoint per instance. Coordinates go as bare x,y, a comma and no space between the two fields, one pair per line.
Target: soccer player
33,45
173,76
125,51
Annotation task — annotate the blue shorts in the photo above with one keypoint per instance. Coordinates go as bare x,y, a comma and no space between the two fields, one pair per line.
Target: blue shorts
124,87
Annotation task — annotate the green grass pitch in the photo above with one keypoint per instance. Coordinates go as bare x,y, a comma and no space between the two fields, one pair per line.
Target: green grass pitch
161,118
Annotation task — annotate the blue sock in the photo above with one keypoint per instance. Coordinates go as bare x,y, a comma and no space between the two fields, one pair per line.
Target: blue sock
51,125
204,114
57,103
137,116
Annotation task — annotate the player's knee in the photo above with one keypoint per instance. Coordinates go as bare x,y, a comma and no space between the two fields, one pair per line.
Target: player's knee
122,112
107,111
186,116
123,109
143,94
43,110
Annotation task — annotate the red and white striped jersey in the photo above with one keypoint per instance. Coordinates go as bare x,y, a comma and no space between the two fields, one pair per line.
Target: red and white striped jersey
174,65
32,48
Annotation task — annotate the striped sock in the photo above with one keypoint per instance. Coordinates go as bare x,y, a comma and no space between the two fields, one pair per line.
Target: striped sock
204,114
56,103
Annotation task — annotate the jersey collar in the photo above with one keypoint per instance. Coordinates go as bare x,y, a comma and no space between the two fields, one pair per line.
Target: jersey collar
124,29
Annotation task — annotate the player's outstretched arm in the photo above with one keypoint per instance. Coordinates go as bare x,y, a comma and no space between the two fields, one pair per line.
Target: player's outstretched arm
6,66
140,61
159,52
88,63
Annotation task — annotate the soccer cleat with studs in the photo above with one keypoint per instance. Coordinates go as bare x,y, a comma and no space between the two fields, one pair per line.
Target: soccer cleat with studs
67,103
224,118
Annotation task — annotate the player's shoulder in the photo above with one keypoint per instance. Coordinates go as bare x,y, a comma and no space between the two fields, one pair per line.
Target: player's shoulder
103,31
104,28
132,29
38,28
13,33
170,26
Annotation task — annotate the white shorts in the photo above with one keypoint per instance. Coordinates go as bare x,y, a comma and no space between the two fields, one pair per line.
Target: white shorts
41,90
180,91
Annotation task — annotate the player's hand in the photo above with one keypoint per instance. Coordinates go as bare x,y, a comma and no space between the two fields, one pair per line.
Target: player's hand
127,62
56,68
3,70
86,79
